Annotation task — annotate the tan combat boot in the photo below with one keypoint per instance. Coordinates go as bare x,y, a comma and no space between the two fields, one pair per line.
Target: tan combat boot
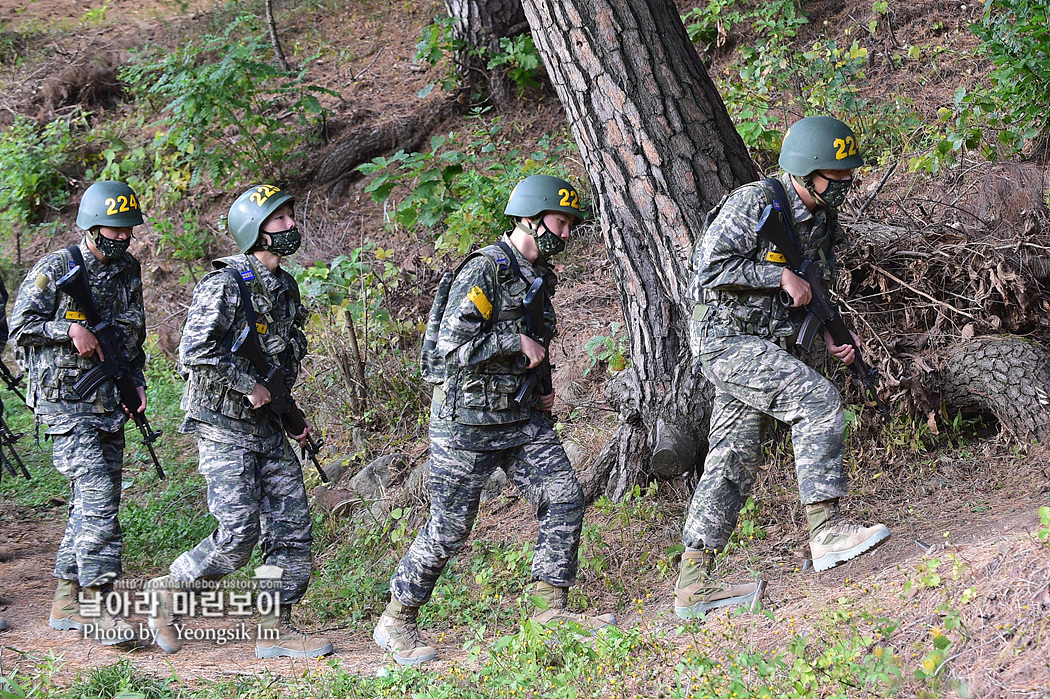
556,613
166,624
696,593
833,541
398,634
107,628
277,638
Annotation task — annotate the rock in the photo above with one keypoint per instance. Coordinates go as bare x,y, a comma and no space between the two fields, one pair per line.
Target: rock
338,502
337,468
375,478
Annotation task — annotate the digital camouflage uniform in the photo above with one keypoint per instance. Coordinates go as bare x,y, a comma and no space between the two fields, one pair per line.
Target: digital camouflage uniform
740,332
88,432
476,427
255,482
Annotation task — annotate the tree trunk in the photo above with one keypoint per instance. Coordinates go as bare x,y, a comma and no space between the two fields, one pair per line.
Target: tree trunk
482,23
1008,377
660,151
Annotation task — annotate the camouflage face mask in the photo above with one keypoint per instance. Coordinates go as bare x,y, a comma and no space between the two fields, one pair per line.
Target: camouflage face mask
834,194
548,243
284,243
109,247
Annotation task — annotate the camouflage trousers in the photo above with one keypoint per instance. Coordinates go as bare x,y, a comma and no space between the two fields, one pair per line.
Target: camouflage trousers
91,458
539,469
256,496
754,377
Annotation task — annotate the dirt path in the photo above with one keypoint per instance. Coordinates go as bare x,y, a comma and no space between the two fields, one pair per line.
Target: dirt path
28,545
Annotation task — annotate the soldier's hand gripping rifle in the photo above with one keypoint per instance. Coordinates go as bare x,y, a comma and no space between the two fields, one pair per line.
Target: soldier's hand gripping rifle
535,327
13,382
8,439
281,402
821,310
111,342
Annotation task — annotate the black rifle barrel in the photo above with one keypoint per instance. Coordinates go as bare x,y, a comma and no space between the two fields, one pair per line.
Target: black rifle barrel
281,402
771,227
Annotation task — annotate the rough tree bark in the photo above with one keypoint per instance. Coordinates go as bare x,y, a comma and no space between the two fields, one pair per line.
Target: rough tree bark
482,23
660,151
1008,377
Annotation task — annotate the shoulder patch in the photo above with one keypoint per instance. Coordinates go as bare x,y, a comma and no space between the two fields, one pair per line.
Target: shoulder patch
41,281
247,275
480,301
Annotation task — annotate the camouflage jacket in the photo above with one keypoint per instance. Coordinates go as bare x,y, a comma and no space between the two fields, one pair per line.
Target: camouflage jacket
3,316
481,343
217,380
40,322
737,274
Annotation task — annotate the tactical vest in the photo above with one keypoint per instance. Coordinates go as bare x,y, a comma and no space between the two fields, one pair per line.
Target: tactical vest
760,312
53,370
279,316
483,394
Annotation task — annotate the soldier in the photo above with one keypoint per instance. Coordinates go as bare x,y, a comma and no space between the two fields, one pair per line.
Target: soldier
477,425
3,344
255,482
87,431
744,331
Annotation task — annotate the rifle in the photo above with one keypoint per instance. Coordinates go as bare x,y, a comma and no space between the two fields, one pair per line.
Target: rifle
535,327
821,309
13,382
111,342
281,402
8,439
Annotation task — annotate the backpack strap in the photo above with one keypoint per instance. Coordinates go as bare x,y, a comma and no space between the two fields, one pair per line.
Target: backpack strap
773,186
246,298
77,258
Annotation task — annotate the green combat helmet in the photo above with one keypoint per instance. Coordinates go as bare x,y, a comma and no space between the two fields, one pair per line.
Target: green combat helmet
539,194
819,143
251,210
109,203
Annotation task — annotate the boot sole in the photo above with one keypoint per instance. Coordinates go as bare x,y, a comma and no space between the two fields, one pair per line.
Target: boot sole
278,652
70,625
383,641
159,641
65,624
830,560
702,607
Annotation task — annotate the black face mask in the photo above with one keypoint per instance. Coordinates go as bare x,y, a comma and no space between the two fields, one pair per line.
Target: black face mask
110,249
284,243
834,194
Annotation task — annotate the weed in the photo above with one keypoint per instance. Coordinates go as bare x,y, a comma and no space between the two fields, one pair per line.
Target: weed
610,350
32,179
438,43
228,106
458,190
521,59
1043,532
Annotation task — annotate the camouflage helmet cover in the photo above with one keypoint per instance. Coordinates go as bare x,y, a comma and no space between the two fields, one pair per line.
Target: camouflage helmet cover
539,194
251,210
109,203
819,143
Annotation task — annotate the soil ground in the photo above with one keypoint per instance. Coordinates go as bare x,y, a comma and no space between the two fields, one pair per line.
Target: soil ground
976,509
